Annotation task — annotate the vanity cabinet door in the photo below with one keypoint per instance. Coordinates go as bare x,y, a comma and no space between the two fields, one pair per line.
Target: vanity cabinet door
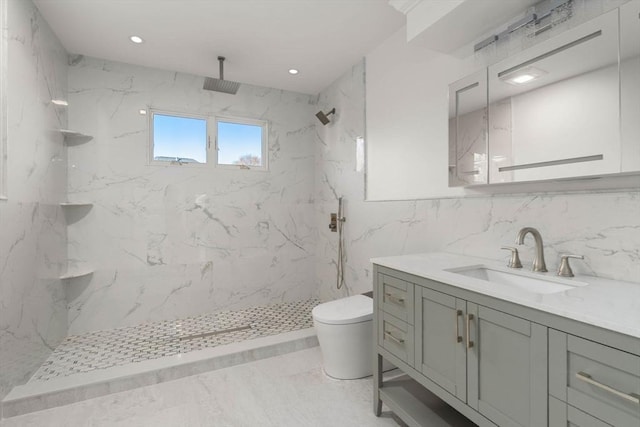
554,109
507,367
630,85
440,354
468,131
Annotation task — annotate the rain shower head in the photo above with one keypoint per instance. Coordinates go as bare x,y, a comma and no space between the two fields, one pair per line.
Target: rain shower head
324,117
221,85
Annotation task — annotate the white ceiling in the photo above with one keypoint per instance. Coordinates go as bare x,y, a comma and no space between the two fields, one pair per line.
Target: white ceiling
261,39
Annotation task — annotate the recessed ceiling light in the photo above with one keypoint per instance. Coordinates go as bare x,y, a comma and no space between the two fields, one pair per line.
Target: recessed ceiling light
293,71
522,76
136,39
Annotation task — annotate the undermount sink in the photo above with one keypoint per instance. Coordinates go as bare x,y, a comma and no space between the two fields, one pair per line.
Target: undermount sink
520,280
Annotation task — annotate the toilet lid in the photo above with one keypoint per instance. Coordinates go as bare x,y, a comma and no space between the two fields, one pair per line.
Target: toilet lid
354,309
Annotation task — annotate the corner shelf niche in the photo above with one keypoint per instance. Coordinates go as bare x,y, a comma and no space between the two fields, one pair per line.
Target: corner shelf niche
75,138
74,211
76,204
74,273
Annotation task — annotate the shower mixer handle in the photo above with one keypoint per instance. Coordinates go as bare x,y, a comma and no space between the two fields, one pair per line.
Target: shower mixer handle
333,224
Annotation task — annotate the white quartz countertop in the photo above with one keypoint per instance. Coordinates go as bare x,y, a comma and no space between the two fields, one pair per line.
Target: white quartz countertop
606,303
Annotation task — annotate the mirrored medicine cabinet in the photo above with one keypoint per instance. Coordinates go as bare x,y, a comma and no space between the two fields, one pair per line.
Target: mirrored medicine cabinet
568,107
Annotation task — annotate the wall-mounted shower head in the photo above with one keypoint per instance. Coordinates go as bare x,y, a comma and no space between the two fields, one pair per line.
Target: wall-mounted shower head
221,85
324,117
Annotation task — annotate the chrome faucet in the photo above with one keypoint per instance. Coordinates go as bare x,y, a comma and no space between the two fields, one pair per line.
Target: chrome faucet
538,261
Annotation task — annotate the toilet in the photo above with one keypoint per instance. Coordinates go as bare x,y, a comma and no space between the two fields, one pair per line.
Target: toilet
345,333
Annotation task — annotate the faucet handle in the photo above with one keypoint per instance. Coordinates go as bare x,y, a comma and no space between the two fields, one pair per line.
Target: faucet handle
565,269
514,262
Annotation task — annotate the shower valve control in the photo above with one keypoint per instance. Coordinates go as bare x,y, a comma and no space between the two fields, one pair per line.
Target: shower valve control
333,225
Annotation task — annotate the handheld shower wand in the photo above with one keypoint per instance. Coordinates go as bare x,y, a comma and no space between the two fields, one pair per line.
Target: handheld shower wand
341,254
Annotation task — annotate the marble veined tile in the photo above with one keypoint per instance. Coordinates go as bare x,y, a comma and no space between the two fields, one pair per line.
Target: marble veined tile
289,390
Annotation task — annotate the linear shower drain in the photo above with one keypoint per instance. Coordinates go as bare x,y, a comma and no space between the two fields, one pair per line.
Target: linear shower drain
218,332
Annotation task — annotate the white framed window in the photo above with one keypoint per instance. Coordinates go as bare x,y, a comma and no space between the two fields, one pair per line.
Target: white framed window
186,140
241,143
177,138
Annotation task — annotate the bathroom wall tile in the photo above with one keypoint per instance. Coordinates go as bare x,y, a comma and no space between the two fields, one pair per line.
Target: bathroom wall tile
602,226
33,315
175,241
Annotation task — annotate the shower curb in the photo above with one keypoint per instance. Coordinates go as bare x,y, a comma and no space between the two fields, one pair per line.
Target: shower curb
40,395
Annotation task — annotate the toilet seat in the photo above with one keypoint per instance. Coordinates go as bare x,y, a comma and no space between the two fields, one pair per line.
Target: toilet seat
344,311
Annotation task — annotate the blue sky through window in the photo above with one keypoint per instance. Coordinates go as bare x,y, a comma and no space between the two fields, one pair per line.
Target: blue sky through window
182,137
237,141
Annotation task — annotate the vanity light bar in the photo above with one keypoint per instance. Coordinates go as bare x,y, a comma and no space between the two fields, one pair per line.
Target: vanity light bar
532,17
484,43
552,163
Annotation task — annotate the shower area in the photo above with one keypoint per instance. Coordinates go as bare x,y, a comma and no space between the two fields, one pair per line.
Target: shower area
117,272
175,268
106,349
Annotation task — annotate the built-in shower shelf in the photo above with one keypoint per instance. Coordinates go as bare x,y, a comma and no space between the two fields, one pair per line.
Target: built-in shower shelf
74,138
75,274
76,205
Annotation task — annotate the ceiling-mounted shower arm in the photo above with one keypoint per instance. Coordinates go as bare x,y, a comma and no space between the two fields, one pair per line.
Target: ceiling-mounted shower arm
221,61
221,85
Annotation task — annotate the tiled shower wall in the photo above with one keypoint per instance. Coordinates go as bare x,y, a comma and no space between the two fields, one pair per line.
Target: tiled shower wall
33,314
602,226
175,241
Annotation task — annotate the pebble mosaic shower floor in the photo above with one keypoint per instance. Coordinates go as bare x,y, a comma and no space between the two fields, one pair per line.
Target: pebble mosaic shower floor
105,349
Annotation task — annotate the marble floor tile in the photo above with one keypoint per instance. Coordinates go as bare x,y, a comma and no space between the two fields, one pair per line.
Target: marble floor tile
288,390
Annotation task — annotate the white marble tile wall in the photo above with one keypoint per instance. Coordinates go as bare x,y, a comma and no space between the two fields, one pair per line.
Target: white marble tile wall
176,241
33,313
604,227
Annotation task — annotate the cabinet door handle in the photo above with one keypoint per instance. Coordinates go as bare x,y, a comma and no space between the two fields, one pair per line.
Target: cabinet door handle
394,299
631,397
469,319
393,338
458,336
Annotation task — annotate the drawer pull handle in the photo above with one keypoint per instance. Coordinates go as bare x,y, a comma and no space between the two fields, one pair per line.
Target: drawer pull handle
631,397
394,299
469,342
458,336
393,338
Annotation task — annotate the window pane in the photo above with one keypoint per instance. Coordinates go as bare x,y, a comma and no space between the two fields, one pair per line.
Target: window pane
239,144
179,138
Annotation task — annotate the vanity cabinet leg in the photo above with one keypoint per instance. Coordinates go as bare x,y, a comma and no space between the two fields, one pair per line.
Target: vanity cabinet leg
377,383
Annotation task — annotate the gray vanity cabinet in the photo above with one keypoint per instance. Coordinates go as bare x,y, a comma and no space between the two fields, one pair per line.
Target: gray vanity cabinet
494,362
591,380
498,363
440,347
506,367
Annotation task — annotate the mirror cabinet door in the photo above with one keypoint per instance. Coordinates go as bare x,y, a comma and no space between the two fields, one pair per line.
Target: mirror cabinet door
630,85
468,130
554,108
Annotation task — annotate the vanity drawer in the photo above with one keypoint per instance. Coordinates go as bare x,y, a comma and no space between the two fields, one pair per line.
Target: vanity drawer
396,297
563,415
396,336
599,380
